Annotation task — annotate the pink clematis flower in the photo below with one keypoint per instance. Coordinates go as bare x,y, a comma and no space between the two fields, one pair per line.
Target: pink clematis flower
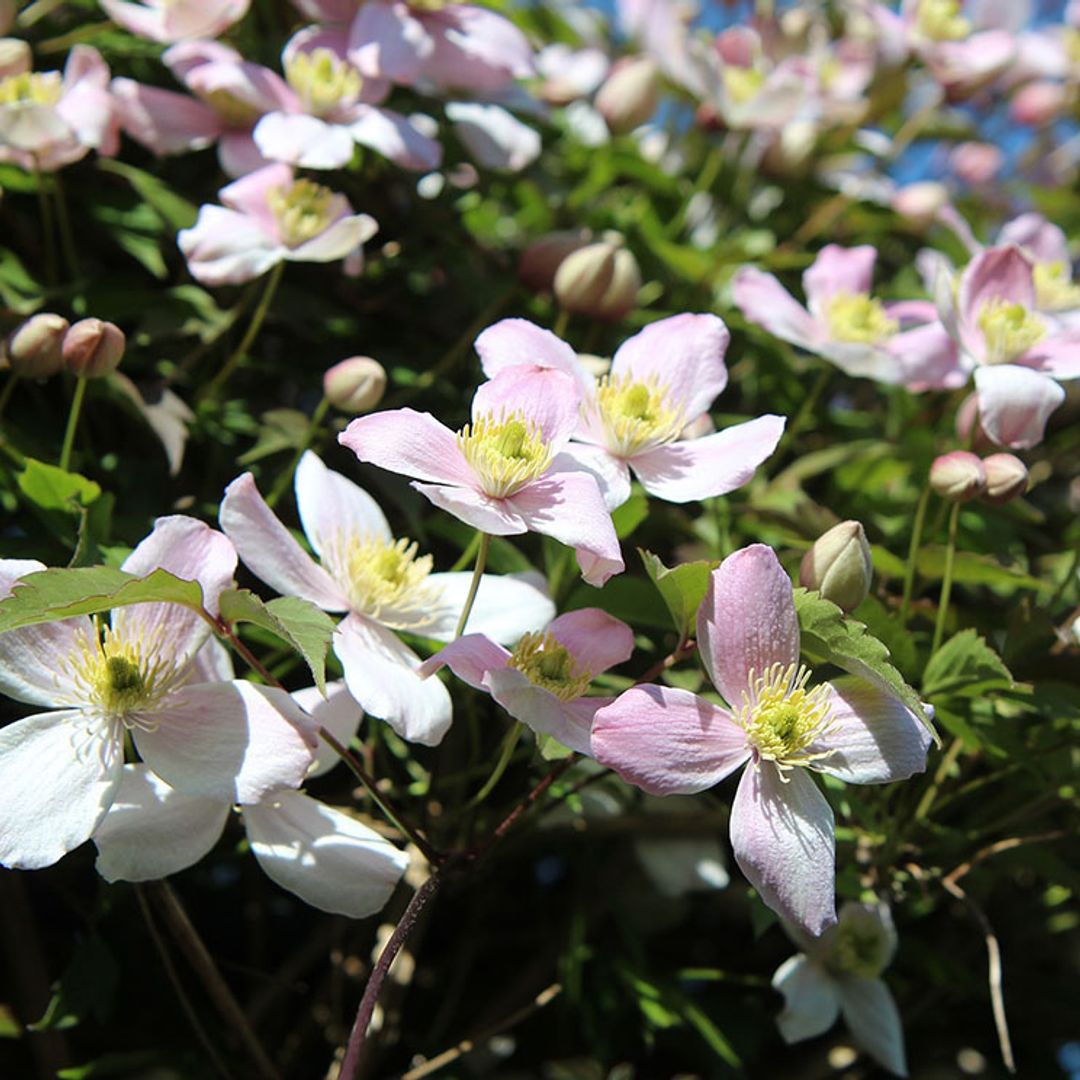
269,216
661,380
334,109
176,20
545,680
669,741
444,45
501,473
49,120
844,324
382,584
150,676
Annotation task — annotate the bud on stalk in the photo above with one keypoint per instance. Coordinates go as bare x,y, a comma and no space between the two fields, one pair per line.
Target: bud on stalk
33,350
93,348
958,476
838,566
355,385
1006,478
600,280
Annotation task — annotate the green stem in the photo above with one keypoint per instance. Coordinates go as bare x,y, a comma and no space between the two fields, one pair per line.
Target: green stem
283,480
561,323
913,554
38,10
273,279
478,570
72,423
506,752
946,581
467,555
67,237
5,394
942,771
808,406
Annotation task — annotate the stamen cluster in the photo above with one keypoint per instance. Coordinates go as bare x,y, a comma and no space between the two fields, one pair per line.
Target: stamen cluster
548,664
637,415
302,211
782,718
859,318
1008,329
506,452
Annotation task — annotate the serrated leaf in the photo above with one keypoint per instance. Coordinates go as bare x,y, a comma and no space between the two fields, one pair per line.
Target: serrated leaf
47,595
965,663
53,488
299,622
682,588
830,637
281,429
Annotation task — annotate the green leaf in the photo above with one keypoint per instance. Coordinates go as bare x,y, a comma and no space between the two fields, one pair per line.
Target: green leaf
972,569
177,212
965,664
281,429
299,622
85,989
830,637
630,515
53,488
682,588
60,594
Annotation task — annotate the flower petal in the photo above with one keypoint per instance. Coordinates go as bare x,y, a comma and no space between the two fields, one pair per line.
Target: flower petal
668,742
494,138
470,658
514,342
380,672
338,712
225,247
331,506
506,606
1015,404
324,856
995,273
495,516
55,786
838,270
152,830
611,473
747,621
304,141
540,710
873,738
396,137
163,121
764,301
411,443
874,1021
811,1004
782,835
596,640
549,398
337,241
387,41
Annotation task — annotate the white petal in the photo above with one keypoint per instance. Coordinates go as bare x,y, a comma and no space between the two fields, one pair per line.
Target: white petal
331,506
338,712
506,606
874,1021
811,1005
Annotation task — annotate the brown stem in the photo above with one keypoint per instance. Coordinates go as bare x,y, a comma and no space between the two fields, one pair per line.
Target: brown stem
508,822
681,653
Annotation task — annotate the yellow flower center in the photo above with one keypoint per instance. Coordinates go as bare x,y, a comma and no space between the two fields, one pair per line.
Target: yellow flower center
1054,288
323,81
858,318
1008,330
549,665
427,5
940,20
302,211
858,947
637,415
39,87
782,719
383,577
742,84
506,452
235,111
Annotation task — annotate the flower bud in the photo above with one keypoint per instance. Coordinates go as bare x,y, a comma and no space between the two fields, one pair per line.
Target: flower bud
600,280
1006,478
93,348
919,203
958,476
34,349
838,566
1039,102
976,163
542,258
630,94
355,385
15,54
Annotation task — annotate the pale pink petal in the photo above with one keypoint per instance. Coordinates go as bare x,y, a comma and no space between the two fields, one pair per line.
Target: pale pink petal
238,155
56,782
548,398
506,606
668,742
611,473
837,271
30,126
224,247
338,241
395,137
783,840
250,195
381,673
712,465
874,1021
327,858
476,49
138,19
152,830
164,122
470,658
1015,404
184,57
764,301
409,442
596,640
966,66
811,1004
1042,241
269,550
569,507
338,712
873,738
514,342
332,507
747,621
540,710
927,359
212,663
303,140
1057,356
231,83
386,40
234,741
494,138
998,273
496,516
685,353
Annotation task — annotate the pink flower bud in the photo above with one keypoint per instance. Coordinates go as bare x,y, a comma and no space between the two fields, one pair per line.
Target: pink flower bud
958,476
1038,103
976,163
919,203
542,258
355,385
630,94
15,54
600,280
93,348
1006,478
838,566
34,349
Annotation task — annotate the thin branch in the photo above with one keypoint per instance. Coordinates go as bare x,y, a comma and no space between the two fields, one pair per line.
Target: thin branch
682,651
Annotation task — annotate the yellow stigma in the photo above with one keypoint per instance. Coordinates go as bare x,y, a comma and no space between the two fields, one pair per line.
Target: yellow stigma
859,946
383,577
549,665
858,318
940,20
742,84
1054,288
39,87
323,81
1008,330
782,719
506,452
637,415
302,211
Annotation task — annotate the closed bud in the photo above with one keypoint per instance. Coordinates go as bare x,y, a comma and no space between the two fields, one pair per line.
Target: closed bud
34,349
919,203
93,348
600,280
630,94
355,385
958,476
15,54
838,566
542,258
1006,478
